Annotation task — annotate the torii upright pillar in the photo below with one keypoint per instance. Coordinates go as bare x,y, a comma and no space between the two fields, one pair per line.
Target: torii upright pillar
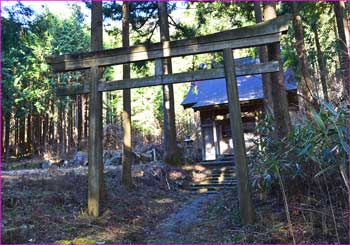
96,180
245,199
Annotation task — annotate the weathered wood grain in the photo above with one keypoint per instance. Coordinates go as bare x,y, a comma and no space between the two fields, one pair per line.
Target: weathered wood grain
255,35
241,70
168,51
96,190
245,199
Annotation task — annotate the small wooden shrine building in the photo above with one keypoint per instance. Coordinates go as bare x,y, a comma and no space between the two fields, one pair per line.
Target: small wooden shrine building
209,97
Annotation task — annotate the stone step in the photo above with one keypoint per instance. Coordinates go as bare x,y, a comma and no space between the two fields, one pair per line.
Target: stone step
214,184
215,163
225,182
223,168
206,191
221,175
220,179
227,171
211,189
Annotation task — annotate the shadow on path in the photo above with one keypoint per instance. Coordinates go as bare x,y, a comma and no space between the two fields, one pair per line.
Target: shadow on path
175,228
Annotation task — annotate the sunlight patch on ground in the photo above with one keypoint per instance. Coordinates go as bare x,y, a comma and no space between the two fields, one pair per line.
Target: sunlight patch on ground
9,178
175,175
165,201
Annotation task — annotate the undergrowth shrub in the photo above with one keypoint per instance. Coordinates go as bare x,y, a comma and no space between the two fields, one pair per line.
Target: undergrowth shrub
308,168
316,146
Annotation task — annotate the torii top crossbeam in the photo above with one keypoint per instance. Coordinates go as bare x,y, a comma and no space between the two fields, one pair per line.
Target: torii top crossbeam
260,34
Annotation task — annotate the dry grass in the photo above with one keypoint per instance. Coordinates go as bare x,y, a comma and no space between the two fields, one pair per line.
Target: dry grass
39,208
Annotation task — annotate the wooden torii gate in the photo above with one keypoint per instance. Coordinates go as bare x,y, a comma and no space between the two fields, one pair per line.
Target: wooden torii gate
265,33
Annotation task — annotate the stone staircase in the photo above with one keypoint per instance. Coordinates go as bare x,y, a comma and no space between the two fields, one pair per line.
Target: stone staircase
214,176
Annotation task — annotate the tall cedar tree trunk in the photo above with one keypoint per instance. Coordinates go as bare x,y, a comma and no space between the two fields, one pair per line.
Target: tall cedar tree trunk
52,125
108,109
22,129
38,133
79,118
70,126
97,44
45,131
305,84
344,42
64,127
3,137
61,131
58,132
21,138
33,133
22,132
279,95
16,137
7,135
263,56
86,116
323,69
29,130
170,144
126,116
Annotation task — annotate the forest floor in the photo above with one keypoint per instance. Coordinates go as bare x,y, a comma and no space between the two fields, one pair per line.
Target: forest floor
49,206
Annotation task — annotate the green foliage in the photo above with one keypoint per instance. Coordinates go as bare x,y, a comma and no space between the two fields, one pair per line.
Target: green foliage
316,145
77,241
27,81
238,14
314,15
17,57
143,17
158,107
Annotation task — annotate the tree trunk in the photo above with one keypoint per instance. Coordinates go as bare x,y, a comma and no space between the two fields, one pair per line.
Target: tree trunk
38,133
79,119
62,148
321,65
344,43
70,126
29,130
45,131
86,115
305,84
52,126
263,56
279,95
7,135
127,141
58,132
16,136
170,144
3,137
108,107
22,130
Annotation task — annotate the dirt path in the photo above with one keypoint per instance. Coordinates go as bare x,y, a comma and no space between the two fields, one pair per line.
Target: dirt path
51,204
175,229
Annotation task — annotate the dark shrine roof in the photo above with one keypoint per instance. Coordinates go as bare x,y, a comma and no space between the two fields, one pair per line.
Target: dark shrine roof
213,92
